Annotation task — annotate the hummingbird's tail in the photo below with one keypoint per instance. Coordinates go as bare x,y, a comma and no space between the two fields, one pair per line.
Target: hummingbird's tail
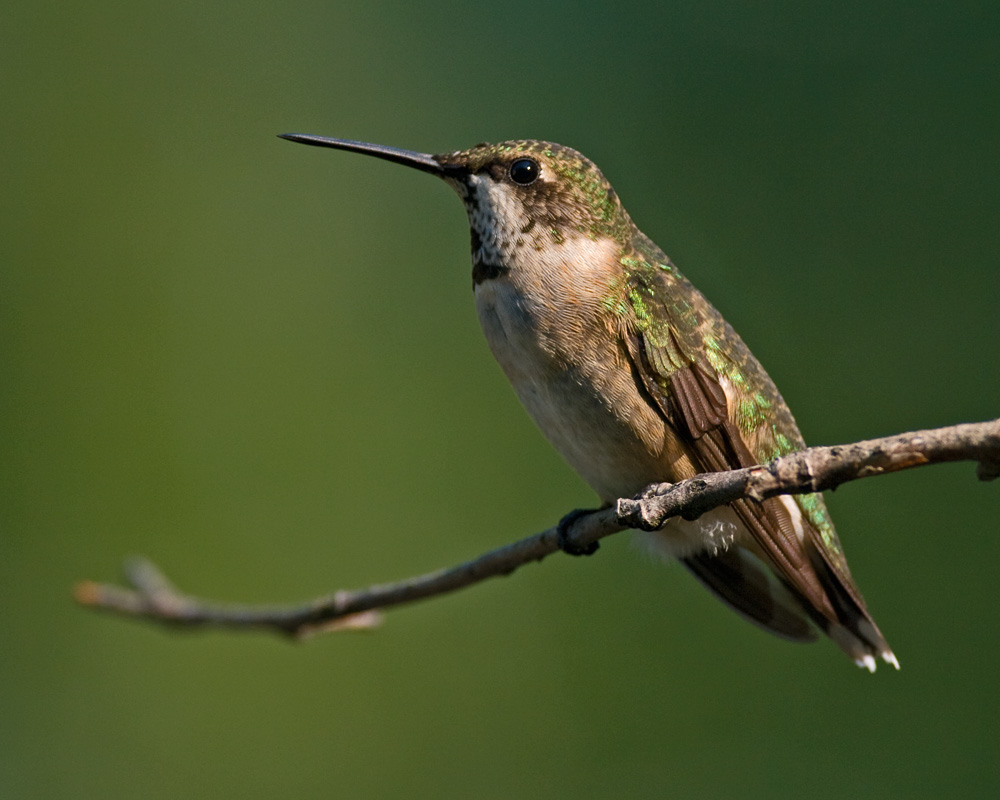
742,581
854,631
748,586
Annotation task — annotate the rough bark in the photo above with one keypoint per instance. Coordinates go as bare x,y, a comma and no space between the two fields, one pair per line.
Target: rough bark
816,469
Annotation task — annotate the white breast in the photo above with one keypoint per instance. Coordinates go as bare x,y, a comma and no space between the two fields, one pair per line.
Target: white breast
548,329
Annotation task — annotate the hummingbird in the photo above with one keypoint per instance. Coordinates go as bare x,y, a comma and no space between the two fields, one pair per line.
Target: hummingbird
635,378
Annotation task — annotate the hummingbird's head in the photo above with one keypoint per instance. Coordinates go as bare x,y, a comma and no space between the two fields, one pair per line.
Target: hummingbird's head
523,197
528,196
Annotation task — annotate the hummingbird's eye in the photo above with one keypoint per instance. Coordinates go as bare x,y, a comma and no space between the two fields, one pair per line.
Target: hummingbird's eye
524,171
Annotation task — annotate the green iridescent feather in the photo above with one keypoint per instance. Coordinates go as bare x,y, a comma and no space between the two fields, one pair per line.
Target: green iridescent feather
681,324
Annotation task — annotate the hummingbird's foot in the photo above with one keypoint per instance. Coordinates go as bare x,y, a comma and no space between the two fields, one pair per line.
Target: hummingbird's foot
563,532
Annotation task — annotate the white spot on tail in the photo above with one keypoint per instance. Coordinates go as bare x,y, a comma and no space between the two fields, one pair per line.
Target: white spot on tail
868,662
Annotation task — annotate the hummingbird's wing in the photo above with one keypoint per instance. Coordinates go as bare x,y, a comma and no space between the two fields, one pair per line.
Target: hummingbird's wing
693,401
685,357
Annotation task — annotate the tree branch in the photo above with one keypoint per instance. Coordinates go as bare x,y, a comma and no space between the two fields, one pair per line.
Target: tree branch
815,469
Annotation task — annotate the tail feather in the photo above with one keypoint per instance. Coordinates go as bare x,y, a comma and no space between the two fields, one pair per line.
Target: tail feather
746,585
855,632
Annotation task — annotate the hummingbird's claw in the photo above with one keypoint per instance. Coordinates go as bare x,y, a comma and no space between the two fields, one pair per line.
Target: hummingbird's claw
565,544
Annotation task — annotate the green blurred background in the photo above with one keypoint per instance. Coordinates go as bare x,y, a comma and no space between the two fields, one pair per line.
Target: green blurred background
259,364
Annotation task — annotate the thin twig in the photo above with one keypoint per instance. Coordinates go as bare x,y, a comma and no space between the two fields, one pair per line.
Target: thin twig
153,597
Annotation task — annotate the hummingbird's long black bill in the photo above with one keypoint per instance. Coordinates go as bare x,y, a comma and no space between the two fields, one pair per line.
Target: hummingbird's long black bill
421,161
